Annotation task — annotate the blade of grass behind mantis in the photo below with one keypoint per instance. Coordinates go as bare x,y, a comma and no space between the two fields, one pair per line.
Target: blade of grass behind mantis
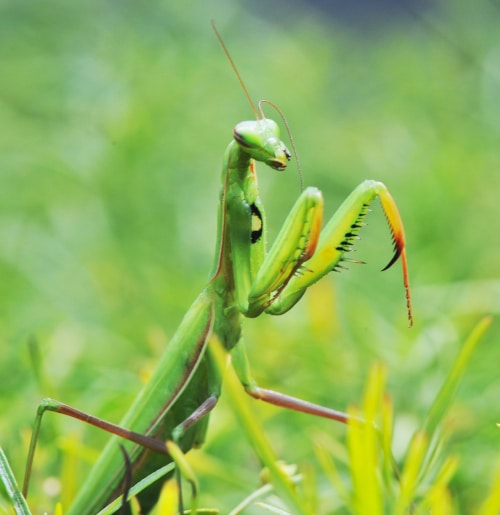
239,402
422,454
433,422
447,391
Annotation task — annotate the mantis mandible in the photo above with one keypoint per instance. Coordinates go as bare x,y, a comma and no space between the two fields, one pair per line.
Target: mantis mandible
245,281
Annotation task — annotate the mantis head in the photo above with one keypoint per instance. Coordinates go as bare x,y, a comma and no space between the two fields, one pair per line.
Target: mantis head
261,140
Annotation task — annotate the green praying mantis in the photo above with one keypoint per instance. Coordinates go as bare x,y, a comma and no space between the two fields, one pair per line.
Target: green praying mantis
172,410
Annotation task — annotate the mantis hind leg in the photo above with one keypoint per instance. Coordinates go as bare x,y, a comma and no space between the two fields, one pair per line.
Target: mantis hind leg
242,368
168,443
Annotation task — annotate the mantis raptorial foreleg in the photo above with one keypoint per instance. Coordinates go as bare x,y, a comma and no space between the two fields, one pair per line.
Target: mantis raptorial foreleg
335,241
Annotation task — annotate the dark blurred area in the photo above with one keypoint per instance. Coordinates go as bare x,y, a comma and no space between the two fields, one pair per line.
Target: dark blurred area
359,15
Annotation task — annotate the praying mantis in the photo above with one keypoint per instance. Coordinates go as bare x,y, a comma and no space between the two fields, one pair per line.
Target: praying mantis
246,281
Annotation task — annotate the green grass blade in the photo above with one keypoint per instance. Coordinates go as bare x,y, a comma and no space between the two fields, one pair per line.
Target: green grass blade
137,488
411,472
283,484
10,484
447,392
491,505
437,499
364,446
332,473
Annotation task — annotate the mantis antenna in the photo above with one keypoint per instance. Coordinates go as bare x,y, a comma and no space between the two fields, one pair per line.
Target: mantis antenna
259,113
290,136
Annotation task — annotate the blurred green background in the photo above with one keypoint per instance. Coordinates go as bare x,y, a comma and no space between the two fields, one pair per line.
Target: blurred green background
114,117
